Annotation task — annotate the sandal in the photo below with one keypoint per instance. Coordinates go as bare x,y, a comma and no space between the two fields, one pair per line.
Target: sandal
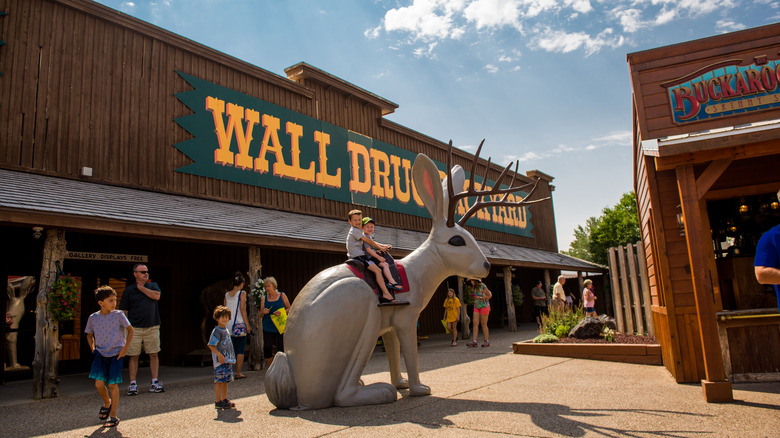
454,344
486,343
111,422
104,411
473,343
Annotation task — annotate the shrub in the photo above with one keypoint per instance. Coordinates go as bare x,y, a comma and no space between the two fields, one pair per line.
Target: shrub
545,338
64,298
559,322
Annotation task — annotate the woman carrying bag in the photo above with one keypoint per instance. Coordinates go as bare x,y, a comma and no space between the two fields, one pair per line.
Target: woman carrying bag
235,300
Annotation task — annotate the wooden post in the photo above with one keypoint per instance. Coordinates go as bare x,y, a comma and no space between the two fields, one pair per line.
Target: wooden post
632,271
581,283
46,381
624,290
614,274
547,287
640,250
255,353
716,388
510,299
465,332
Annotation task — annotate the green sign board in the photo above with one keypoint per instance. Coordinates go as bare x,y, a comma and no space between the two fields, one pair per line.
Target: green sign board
243,139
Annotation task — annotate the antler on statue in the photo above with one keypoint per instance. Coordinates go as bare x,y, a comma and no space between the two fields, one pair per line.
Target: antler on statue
480,194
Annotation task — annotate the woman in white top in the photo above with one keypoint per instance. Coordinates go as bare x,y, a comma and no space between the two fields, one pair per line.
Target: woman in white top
235,300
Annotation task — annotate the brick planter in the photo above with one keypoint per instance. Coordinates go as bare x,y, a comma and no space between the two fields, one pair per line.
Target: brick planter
647,354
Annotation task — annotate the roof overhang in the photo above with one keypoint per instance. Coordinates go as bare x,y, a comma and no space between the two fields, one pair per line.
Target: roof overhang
84,206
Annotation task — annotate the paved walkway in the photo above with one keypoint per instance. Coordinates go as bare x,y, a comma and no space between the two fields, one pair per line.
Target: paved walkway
476,392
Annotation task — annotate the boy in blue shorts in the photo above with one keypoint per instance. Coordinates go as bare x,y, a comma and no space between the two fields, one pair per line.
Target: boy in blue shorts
106,338
223,356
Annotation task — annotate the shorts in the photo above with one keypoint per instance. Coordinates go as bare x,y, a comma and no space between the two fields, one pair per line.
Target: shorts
540,310
239,344
223,373
107,369
590,310
146,337
482,311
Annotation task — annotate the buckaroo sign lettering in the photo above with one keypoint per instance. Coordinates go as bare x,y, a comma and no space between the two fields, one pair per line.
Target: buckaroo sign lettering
246,140
724,89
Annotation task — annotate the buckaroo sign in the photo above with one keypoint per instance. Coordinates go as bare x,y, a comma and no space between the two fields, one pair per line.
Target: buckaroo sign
246,140
724,89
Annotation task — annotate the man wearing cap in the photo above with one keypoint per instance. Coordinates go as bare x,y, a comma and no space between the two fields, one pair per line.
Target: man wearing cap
767,261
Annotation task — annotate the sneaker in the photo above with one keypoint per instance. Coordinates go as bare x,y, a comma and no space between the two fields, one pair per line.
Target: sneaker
156,387
228,404
132,389
221,405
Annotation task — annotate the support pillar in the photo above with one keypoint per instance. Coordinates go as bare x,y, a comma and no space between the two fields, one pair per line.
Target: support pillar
510,302
255,350
715,388
46,381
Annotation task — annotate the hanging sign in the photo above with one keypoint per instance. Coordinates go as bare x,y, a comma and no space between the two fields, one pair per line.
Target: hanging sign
725,89
106,257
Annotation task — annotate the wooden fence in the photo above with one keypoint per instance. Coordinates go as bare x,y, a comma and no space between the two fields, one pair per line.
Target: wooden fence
630,292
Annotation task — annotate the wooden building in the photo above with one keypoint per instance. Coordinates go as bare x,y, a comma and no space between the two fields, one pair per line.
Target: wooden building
707,153
142,145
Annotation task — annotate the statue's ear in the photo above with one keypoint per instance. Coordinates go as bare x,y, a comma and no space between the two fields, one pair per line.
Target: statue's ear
458,181
427,183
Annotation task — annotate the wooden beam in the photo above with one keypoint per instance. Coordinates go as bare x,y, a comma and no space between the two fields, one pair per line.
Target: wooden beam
710,175
510,302
737,152
617,299
716,388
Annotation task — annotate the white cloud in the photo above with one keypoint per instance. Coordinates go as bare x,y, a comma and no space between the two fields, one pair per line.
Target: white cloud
494,13
491,68
560,41
723,26
127,7
424,19
614,139
504,58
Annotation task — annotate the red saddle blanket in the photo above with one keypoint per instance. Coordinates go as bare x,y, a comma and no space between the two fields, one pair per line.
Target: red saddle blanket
362,275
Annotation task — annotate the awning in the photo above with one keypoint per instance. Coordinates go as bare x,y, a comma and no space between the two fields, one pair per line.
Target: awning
85,206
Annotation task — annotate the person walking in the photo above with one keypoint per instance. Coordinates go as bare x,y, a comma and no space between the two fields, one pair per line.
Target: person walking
589,299
272,304
540,302
235,300
481,295
140,304
452,314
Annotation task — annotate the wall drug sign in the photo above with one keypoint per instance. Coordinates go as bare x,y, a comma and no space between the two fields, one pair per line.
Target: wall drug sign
239,138
725,89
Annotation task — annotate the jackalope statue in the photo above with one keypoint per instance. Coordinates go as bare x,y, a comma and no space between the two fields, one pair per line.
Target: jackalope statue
334,321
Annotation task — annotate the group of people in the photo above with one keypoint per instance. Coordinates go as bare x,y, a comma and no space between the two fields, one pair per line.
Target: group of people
562,300
126,329
480,295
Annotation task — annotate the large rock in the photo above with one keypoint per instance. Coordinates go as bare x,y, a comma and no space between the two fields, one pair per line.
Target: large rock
607,321
588,328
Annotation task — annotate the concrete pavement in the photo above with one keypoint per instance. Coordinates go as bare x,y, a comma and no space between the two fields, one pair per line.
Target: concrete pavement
476,392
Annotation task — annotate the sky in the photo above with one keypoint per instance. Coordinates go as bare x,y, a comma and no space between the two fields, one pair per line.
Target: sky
543,82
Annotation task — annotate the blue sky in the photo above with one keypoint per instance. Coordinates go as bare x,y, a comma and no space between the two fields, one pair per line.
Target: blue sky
544,82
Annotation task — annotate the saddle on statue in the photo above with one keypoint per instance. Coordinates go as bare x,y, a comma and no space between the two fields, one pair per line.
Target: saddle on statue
360,270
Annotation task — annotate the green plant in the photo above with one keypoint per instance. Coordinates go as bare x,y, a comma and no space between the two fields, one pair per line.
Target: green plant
608,334
559,321
64,298
545,338
517,295
258,291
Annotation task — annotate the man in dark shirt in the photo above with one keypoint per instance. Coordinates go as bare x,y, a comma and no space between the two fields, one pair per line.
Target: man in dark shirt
767,261
139,302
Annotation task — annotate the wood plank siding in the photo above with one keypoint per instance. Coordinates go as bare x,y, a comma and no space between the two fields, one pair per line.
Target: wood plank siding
84,85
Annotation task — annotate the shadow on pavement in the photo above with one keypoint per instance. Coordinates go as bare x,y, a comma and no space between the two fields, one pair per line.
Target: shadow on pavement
554,418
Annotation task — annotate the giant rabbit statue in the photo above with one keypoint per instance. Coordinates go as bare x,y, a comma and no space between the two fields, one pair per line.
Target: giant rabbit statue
334,322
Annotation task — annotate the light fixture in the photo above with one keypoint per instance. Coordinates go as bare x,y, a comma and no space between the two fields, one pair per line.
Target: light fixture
774,205
743,207
680,220
37,232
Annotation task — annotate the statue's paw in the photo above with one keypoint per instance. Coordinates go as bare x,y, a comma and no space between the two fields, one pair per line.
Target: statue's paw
401,384
419,389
